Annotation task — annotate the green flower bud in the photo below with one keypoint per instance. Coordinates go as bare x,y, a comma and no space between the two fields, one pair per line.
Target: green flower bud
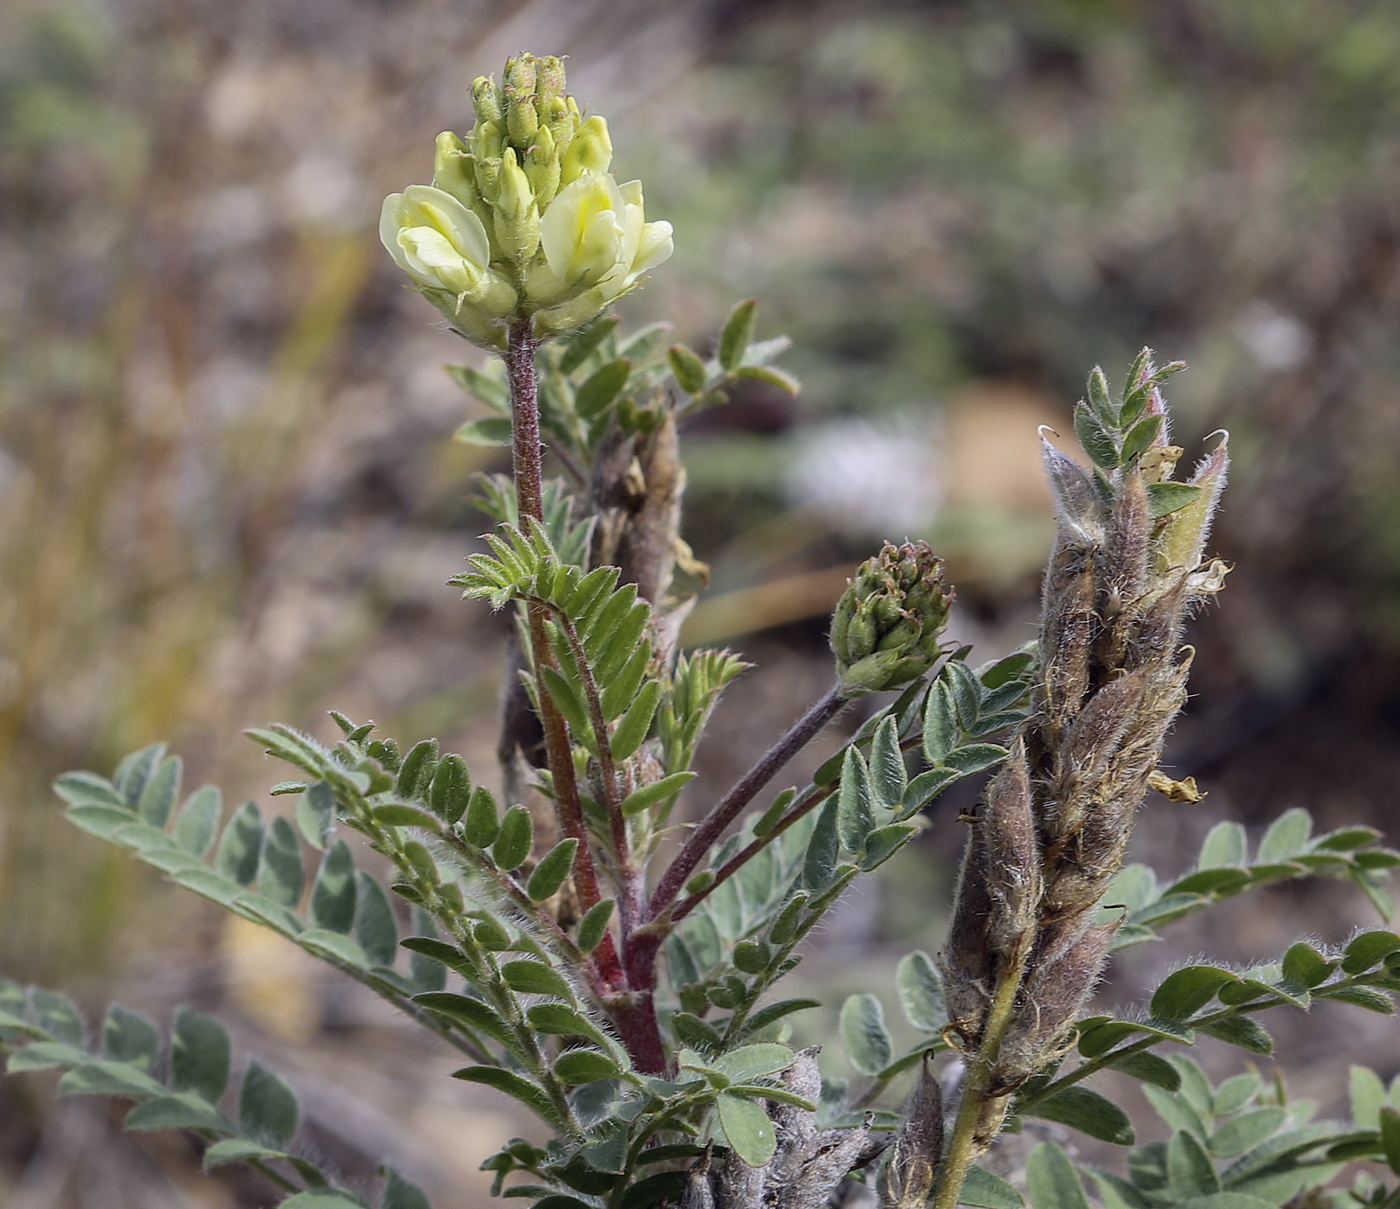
520,75
561,116
887,626
542,167
517,216
487,101
549,83
589,151
522,118
453,172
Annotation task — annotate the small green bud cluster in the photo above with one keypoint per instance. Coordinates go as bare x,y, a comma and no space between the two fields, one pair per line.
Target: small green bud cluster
888,624
524,218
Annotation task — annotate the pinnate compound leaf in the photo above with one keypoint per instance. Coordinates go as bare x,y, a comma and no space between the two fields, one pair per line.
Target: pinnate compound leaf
748,1129
1242,1132
534,978
135,770
334,947
855,817
1243,1032
198,821
315,814
921,992
552,871
1190,1171
451,789
1225,845
375,926
1286,837
513,841
1367,1097
281,877
1051,1180
940,725
1088,1112
737,334
333,895
1189,989
160,792
528,1093
57,1015
984,1190
975,757
200,1055
1367,950
129,1037
267,1108
240,847
184,1110
579,1066
863,1032
594,925
748,1062
1390,1137
88,789
649,795
1150,1068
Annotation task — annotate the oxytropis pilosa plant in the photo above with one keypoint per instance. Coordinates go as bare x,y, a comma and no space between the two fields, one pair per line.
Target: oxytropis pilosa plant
604,949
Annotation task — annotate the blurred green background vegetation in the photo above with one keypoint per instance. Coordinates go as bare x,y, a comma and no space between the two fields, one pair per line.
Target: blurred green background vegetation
227,492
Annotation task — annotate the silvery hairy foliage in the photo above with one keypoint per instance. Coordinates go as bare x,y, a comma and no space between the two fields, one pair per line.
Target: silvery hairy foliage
609,955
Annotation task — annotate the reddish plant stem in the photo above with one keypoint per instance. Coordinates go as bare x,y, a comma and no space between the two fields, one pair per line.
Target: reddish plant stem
746,854
525,429
632,903
717,822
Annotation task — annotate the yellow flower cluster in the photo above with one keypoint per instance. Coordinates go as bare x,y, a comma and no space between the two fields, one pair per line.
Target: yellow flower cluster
524,219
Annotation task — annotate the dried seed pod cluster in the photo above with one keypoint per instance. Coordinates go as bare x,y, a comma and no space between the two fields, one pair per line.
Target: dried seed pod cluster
1127,566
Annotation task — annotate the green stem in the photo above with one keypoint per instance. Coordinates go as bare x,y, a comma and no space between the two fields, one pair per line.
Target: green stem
982,1110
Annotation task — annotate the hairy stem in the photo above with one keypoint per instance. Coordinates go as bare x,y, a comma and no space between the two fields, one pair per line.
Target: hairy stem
717,822
982,1109
525,429
741,858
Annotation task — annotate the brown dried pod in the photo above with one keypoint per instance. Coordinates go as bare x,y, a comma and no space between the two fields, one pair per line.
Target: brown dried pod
967,961
1066,635
917,1148
1012,868
1054,991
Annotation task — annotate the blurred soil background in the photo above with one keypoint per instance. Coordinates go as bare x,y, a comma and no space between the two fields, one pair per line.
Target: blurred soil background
228,493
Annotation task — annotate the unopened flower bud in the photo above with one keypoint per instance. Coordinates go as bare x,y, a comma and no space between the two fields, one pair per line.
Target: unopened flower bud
887,625
522,118
549,83
520,75
452,170
589,151
517,217
487,101
542,167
